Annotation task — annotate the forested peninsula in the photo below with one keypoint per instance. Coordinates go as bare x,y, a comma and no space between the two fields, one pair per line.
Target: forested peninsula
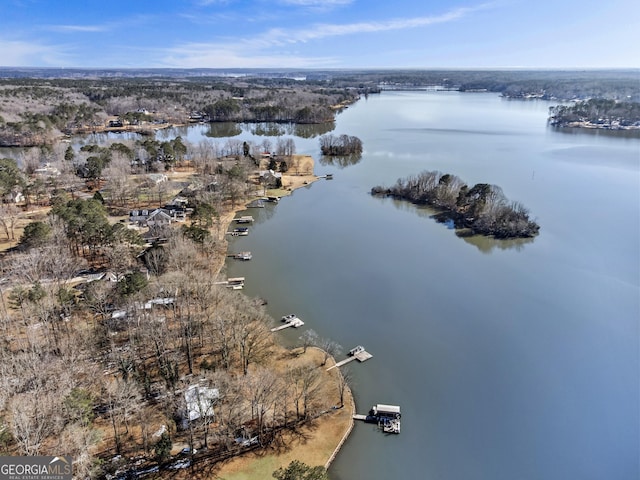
482,209
597,113
37,112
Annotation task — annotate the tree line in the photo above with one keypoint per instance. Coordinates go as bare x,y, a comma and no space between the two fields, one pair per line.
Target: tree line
483,208
37,111
601,112
342,145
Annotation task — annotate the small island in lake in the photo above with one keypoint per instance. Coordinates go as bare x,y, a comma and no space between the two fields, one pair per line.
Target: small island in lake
482,209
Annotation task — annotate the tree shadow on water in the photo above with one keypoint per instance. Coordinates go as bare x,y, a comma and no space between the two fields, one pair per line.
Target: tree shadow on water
340,161
489,244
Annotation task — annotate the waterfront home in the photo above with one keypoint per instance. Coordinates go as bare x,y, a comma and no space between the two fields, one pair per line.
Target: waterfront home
269,177
150,218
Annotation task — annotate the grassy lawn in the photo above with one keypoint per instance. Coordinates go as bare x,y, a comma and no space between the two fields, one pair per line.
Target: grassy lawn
313,444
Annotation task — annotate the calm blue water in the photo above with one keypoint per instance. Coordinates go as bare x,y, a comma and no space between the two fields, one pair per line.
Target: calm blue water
511,360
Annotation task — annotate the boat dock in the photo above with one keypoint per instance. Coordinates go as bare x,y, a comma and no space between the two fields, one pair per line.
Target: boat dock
289,321
244,219
357,353
239,232
241,256
235,283
386,416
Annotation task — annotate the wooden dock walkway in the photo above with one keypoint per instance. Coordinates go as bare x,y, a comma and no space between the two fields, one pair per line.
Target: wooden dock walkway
236,283
361,356
294,322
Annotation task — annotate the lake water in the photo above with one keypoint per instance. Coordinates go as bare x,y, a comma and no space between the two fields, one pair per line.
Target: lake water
510,360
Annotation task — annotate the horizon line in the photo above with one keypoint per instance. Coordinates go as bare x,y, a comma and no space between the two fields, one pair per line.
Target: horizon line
312,69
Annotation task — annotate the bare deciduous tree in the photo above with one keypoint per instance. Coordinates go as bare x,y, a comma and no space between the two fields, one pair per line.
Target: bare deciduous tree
8,218
329,349
344,382
308,339
32,416
118,174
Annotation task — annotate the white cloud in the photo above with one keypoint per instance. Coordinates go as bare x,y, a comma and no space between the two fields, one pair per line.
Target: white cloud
259,50
17,53
78,28
124,22
227,56
333,30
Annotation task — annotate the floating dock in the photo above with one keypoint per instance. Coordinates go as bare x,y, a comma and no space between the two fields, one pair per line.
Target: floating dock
235,283
244,219
356,353
289,321
387,417
242,256
239,232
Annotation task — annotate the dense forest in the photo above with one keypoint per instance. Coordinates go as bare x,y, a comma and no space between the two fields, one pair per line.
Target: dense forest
482,209
621,84
545,84
39,111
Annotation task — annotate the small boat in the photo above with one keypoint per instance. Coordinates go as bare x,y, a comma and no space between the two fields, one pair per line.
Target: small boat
391,425
243,256
289,318
356,350
239,232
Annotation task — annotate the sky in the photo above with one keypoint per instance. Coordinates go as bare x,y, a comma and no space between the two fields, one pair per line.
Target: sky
419,34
